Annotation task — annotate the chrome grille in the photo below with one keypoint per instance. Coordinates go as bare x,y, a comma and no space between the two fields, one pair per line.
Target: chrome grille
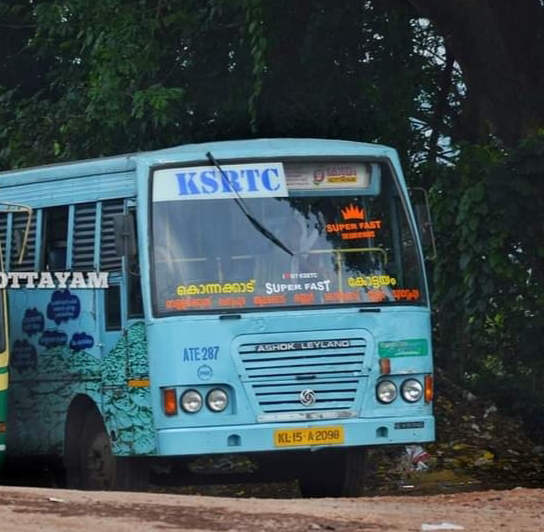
276,398
277,373
312,359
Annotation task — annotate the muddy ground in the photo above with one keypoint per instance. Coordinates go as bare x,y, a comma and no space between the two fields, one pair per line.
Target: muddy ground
53,510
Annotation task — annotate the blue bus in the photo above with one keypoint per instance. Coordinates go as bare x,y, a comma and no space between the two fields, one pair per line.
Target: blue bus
259,303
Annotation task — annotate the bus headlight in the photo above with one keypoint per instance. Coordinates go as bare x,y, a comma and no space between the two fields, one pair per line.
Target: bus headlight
217,400
411,390
191,401
386,392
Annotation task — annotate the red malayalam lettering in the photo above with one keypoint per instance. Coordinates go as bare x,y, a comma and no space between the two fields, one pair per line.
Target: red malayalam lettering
270,300
304,299
408,295
232,301
184,304
376,295
342,296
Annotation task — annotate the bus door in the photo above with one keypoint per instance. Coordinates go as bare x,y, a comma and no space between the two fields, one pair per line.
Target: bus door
121,311
125,369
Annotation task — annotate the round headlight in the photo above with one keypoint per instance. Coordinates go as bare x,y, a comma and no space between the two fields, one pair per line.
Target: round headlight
191,401
386,392
217,400
411,390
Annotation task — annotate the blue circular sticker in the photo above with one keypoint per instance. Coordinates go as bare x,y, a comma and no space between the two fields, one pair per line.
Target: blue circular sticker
204,373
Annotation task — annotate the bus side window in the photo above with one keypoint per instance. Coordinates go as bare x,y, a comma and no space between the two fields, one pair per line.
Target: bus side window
110,260
85,220
55,238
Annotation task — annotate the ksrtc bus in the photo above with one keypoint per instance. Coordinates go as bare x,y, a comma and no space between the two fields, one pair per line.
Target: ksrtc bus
209,306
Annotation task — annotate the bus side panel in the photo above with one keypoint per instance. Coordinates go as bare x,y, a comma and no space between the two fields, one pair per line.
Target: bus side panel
127,397
54,358
57,341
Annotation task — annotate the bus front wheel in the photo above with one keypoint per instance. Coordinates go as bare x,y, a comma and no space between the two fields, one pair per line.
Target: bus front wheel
97,468
334,473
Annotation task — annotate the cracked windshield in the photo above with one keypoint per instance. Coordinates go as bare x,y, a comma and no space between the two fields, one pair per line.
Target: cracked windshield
311,242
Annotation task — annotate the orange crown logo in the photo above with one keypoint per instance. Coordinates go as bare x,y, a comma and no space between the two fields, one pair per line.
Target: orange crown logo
353,213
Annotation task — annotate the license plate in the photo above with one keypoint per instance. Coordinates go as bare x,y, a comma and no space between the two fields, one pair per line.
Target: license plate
317,436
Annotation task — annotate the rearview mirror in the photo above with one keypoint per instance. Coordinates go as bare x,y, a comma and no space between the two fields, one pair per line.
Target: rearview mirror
422,213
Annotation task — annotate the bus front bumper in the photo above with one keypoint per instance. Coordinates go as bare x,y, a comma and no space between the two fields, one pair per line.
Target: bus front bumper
290,436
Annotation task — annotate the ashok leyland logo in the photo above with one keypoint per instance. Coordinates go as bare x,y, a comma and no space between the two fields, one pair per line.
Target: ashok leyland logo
54,280
307,397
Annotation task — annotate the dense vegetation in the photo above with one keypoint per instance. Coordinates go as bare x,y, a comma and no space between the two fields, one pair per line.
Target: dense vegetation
456,87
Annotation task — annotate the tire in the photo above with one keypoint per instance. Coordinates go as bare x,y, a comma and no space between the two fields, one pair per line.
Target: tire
97,467
96,461
338,473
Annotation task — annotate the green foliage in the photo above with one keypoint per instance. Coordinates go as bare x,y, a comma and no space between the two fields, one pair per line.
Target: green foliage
341,71
489,289
118,76
123,76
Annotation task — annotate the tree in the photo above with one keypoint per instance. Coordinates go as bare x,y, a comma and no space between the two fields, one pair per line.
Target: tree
120,76
499,45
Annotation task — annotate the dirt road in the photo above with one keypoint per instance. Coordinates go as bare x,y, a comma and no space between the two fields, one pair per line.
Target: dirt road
49,510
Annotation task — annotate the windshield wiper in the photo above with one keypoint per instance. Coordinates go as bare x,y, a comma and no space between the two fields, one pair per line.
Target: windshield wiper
243,207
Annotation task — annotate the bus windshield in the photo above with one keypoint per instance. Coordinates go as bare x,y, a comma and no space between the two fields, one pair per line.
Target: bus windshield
330,245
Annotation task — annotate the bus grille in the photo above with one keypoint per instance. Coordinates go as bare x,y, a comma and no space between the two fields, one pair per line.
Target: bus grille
278,371
278,398
315,359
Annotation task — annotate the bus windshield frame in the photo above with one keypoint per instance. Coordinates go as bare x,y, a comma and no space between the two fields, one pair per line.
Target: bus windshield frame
349,243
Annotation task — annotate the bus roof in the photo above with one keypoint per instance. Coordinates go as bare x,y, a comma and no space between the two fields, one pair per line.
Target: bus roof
231,149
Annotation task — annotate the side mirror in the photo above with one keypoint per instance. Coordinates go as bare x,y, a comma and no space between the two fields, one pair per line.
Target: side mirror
424,223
